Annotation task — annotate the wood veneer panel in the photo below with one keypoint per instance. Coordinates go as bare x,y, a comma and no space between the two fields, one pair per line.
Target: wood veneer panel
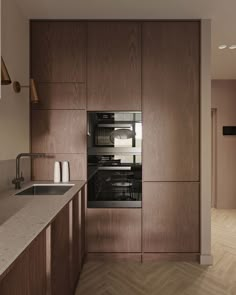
61,96
114,66
60,255
171,70
42,168
75,241
58,51
58,131
82,224
114,230
28,274
171,217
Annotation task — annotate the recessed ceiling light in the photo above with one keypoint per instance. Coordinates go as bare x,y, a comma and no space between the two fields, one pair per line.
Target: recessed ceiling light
222,46
232,47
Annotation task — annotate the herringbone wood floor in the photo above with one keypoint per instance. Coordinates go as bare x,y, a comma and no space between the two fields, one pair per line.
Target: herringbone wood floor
171,278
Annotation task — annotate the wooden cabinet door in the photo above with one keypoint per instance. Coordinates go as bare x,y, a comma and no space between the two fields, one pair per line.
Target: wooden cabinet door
58,131
58,51
170,79
171,217
77,212
114,66
60,254
75,255
114,230
27,275
61,96
82,221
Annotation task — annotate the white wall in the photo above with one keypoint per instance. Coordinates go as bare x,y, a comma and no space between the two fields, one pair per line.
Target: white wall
14,108
205,201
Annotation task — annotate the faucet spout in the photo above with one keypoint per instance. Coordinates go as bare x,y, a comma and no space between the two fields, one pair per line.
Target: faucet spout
19,177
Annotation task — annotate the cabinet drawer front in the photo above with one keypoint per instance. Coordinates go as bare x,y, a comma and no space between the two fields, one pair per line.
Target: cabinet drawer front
114,230
171,217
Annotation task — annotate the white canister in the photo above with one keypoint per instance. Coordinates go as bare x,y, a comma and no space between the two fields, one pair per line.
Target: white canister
57,172
65,171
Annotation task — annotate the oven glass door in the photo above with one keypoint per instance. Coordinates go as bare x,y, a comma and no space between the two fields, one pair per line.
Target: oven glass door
116,186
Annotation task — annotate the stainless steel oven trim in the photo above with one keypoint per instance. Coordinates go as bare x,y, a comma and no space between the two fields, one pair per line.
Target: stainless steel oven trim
114,204
115,168
115,125
114,150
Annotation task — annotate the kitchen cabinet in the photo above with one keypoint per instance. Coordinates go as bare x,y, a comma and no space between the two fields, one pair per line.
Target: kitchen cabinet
75,251
114,66
52,262
58,51
171,217
59,96
27,275
82,224
78,236
170,87
60,254
58,131
114,230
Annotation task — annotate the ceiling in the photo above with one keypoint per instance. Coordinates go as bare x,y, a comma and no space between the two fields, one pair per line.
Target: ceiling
221,12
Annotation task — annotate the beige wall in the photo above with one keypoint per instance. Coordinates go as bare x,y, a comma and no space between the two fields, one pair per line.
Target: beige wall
224,100
205,182
14,108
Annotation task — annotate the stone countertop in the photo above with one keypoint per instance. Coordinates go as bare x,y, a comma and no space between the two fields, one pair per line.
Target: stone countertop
23,218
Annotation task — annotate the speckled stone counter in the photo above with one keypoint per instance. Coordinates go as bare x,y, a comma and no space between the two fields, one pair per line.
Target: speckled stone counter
22,218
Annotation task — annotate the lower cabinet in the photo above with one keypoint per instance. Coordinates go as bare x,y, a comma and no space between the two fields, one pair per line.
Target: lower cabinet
171,217
60,253
67,240
77,236
51,264
114,230
27,275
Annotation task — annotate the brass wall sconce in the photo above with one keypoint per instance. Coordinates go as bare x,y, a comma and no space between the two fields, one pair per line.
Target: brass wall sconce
32,87
5,77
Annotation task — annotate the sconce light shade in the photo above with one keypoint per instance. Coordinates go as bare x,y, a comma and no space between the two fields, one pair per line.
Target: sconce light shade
5,77
33,92
32,87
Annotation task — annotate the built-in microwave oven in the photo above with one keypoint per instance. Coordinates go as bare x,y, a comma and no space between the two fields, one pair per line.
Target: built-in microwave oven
115,159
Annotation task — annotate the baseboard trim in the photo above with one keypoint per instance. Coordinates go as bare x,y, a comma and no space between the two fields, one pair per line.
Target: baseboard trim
115,257
163,257
144,257
206,260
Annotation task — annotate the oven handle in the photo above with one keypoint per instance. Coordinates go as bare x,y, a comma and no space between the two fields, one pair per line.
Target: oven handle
126,168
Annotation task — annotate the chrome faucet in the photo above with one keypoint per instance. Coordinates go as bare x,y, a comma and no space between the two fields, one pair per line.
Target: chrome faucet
19,176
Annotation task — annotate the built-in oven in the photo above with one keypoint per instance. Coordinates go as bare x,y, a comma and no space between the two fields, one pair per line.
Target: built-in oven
114,160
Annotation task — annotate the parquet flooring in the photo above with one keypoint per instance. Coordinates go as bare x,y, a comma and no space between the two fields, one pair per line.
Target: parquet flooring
170,278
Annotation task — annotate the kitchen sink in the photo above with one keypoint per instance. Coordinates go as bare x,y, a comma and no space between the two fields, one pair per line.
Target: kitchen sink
45,189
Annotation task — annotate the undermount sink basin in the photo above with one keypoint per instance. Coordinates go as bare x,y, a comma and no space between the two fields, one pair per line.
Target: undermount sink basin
45,189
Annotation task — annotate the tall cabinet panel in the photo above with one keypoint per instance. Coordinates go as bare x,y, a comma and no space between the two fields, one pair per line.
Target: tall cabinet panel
114,66
171,217
170,82
58,122
58,52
